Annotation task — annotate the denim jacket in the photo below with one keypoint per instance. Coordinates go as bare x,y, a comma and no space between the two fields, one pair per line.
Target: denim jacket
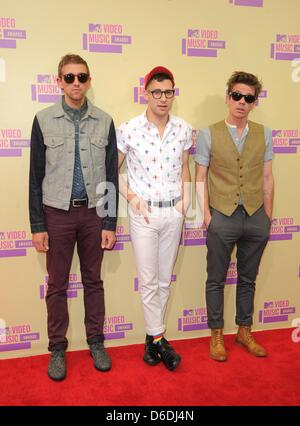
53,155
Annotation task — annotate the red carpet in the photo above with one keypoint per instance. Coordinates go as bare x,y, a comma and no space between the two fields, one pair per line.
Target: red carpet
242,380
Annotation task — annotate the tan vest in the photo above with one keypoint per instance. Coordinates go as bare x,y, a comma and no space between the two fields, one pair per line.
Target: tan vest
232,175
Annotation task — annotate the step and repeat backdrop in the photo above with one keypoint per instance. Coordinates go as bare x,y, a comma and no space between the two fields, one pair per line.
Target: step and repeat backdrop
202,42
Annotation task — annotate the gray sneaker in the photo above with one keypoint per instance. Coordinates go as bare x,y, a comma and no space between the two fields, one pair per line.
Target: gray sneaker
57,365
101,359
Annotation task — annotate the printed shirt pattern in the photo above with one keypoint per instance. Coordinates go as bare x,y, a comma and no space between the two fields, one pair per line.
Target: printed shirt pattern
154,164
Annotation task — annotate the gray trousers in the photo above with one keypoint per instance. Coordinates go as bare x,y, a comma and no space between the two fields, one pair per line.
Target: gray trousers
250,234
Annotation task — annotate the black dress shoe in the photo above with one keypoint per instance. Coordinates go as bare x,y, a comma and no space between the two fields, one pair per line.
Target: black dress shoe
151,356
168,355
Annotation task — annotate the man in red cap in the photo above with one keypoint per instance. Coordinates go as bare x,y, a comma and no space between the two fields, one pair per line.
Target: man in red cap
156,146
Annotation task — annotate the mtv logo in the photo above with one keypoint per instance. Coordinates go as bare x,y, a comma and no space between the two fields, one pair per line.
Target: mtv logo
263,94
276,133
188,312
2,70
281,37
268,305
194,33
95,28
44,78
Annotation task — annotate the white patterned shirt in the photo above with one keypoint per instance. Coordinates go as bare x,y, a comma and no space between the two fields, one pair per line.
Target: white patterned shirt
154,164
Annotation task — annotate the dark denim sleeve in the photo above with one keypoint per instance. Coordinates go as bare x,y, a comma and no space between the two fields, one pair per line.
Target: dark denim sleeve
111,164
36,176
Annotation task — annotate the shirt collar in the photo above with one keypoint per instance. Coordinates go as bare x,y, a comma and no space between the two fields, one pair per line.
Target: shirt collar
58,110
233,126
73,112
143,120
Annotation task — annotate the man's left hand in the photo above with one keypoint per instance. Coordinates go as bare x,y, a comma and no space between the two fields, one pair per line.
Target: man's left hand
108,239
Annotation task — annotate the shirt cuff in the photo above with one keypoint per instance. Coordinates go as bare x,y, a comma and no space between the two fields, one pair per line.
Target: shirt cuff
39,227
201,160
109,224
122,149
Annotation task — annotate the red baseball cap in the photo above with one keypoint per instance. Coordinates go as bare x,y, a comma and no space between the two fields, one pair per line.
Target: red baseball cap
158,70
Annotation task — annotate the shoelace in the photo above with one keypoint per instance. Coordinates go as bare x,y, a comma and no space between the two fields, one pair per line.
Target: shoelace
219,338
249,338
97,346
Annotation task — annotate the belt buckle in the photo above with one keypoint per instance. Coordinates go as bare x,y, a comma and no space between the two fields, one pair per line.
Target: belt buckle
160,204
77,202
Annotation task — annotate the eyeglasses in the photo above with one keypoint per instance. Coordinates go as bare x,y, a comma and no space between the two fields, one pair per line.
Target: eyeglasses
70,78
157,94
237,96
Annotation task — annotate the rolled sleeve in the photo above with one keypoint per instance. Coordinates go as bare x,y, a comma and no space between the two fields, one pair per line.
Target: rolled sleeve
203,148
269,144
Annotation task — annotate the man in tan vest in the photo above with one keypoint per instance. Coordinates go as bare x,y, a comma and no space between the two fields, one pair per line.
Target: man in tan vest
234,161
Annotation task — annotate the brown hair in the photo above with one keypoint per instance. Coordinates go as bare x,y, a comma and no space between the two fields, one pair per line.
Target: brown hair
244,78
71,59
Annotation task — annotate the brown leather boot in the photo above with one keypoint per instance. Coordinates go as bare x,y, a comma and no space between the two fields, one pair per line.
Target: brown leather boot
245,338
217,348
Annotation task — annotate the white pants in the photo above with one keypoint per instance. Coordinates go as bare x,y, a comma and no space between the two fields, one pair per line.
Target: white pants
155,248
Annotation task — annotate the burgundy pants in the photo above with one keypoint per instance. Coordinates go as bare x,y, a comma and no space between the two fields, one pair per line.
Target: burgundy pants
65,228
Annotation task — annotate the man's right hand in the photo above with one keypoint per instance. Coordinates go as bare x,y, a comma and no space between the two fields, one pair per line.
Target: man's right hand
139,206
40,241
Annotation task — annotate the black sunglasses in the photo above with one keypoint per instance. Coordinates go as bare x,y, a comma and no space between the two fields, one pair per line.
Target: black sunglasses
82,77
237,96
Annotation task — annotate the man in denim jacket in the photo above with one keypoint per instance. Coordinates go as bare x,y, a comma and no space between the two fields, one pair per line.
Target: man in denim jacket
73,169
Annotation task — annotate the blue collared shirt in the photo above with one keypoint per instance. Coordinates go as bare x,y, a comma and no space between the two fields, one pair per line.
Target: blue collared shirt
78,186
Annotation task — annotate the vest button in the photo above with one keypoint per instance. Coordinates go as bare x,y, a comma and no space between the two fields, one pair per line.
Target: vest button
241,176
237,195
241,167
235,204
237,159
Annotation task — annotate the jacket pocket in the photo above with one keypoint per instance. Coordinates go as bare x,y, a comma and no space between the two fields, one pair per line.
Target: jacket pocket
99,142
97,146
55,147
